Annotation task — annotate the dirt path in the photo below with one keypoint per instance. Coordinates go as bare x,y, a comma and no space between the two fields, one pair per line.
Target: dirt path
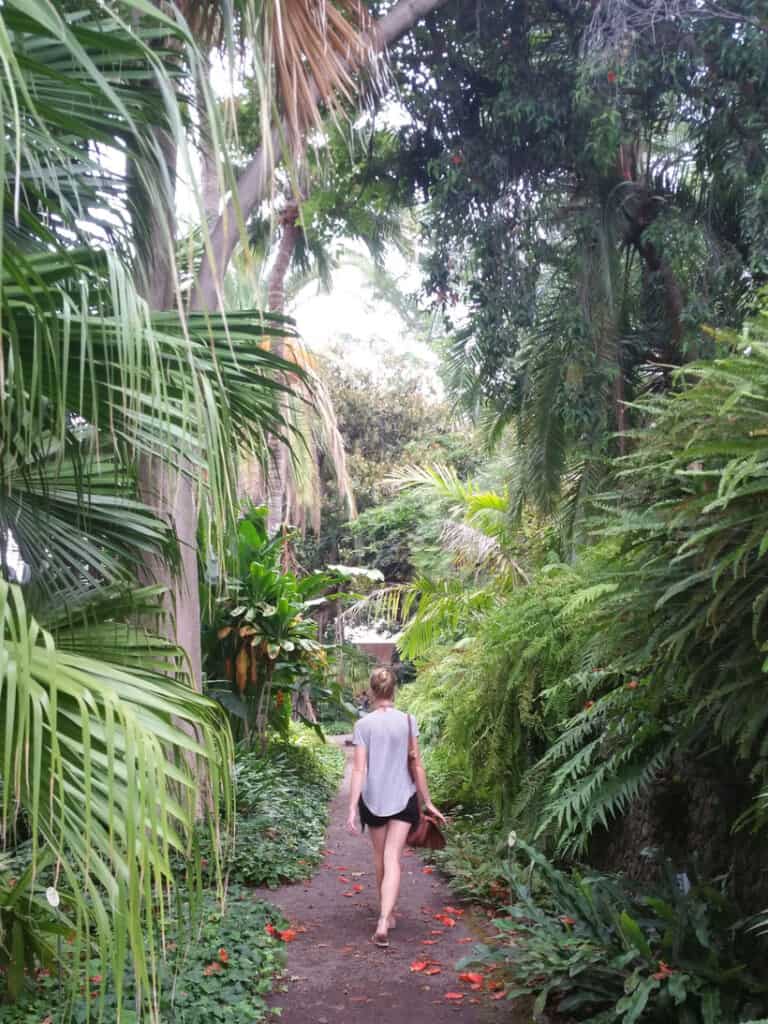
335,974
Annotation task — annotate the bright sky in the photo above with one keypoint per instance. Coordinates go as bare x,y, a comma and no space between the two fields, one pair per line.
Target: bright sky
351,315
367,328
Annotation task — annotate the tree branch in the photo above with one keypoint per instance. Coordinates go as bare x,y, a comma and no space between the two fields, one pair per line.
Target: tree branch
255,180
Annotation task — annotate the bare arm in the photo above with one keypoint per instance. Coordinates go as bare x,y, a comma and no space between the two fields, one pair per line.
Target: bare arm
420,778
359,767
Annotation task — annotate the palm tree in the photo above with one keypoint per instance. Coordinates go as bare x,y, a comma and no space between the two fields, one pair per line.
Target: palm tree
476,532
116,406
104,741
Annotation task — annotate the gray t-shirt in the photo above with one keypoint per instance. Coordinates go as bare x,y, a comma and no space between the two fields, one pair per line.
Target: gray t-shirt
388,784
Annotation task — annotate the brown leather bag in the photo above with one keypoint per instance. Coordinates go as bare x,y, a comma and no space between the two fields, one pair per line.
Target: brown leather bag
426,832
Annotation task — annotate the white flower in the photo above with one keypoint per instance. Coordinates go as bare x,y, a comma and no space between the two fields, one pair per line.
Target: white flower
511,839
52,895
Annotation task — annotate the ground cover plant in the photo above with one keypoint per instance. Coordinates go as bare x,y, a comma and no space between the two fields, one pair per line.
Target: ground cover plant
219,960
282,800
475,858
218,966
598,948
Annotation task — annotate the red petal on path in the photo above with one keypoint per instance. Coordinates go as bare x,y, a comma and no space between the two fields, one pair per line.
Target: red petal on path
434,970
348,894
456,911
436,931
288,935
343,879
498,995
357,888
466,940
429,942
471,978
427,870
454,996
418,965
495,985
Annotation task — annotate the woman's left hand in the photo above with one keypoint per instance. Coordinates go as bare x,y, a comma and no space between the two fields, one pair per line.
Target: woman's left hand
433,811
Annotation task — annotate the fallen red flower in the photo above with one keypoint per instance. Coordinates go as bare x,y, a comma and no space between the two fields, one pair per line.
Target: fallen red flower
663,972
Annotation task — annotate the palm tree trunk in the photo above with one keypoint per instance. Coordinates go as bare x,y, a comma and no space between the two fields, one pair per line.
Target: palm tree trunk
209,176
278,472
168,490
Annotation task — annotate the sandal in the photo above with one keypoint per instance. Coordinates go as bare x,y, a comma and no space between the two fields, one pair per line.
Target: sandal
379,940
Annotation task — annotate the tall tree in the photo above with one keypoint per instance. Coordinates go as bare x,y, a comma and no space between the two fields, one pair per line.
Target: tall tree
99,719
587,212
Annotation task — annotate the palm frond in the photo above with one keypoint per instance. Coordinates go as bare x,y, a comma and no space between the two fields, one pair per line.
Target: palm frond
101,757
474,549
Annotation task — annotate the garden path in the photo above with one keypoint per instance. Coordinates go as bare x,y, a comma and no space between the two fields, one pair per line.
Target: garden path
335,974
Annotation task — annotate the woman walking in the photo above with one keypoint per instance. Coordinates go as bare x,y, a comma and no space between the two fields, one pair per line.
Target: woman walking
385,791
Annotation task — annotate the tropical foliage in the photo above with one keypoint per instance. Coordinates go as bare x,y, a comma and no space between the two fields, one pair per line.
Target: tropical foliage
266,659
282,799
603,951
586,213
220,959
104,739
619,689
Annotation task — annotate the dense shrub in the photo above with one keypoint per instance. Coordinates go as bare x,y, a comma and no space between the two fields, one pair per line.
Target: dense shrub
282,800
597,949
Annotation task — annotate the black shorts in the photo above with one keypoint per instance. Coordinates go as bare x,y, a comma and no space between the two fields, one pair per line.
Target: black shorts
409,813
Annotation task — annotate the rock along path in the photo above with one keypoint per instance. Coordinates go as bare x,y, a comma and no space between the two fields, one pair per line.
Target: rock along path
335,975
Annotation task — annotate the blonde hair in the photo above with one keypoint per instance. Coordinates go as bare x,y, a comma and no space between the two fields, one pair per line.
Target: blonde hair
382,683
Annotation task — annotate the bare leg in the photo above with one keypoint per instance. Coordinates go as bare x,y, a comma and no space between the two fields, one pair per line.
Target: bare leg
397,833
378,838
